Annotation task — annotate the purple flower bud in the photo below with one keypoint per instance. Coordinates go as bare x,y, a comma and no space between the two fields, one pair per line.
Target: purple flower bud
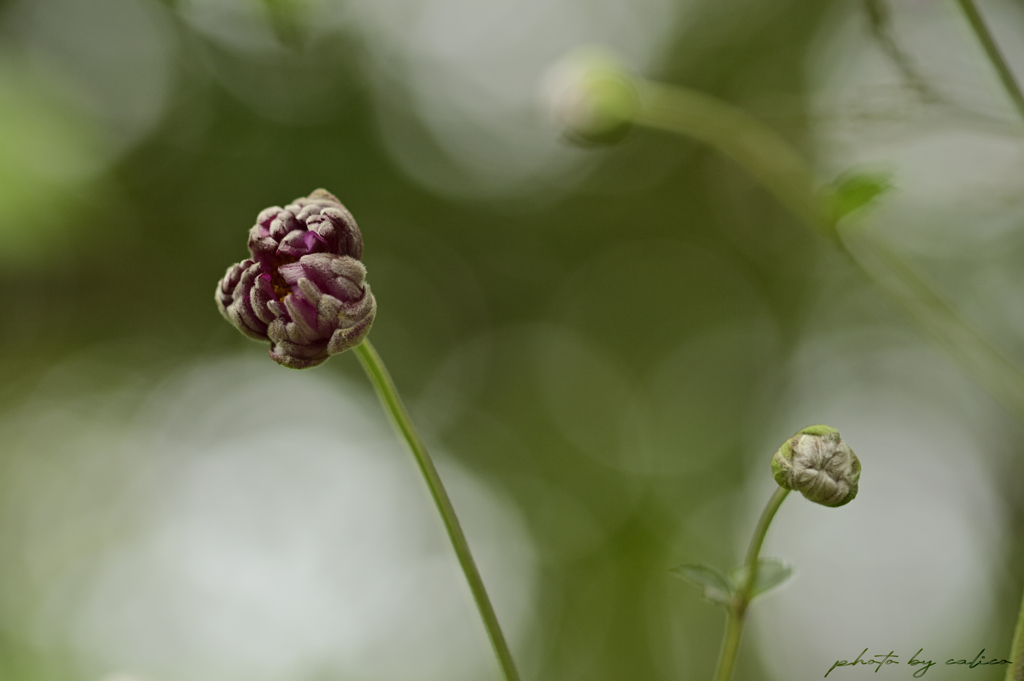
304,288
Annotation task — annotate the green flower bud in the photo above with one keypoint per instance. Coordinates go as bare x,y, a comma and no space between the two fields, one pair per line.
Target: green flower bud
591,97
819,465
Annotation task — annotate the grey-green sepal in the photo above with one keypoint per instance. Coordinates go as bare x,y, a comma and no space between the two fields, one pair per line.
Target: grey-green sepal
818,464
721,588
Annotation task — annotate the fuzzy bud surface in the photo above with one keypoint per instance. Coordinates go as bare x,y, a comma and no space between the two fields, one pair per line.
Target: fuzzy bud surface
818,464
304,288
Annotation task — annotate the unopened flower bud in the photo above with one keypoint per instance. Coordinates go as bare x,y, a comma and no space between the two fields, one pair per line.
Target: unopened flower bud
304,288
591,97
819,465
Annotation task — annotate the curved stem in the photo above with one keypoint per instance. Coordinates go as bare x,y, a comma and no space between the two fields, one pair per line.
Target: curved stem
737,609
754,552
772,161
988,43
755,147
939,320
392,404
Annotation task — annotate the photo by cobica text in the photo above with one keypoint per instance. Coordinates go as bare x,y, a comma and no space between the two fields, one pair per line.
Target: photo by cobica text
919,662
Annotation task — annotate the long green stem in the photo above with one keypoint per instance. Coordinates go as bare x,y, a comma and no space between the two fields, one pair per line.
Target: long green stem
988,43
737,610
392,403
939,319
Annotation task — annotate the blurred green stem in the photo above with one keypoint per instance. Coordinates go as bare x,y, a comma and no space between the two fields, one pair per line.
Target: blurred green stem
939,320
1006,77
737,609
988,43
767,157
1016,670
752,145
392,404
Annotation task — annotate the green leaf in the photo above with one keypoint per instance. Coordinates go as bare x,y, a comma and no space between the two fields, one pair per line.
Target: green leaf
853,191
716,587
770,574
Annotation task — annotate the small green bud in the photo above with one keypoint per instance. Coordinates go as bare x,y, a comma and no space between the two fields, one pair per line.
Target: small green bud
818,464
591,97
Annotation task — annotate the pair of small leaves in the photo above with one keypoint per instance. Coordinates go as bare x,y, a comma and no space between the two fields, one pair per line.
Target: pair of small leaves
720,588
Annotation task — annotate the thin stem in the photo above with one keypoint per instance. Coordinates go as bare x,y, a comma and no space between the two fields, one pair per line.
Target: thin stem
939,319
754,552
737,609
771,160
730,646
988,43
974,18
755,147
1016,670
880,19
392,404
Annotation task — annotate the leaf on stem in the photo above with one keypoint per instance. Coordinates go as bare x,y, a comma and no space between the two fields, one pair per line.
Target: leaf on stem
770,574
716,587
853,191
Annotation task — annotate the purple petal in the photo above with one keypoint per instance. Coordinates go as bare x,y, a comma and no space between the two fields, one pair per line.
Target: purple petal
277,331
360,308
277,309
293,245
314,243
309,291
328,314
262,294
283,224
347,338
299,356
350,241
324,229
261,248
291,273
338,275
266,216
242,314
304,316
308,210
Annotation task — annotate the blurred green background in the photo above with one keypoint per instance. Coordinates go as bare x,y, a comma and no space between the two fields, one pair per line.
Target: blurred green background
603,346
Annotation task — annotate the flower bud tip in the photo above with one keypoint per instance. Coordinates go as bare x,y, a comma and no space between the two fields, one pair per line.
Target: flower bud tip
590,96
818,464
304,288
